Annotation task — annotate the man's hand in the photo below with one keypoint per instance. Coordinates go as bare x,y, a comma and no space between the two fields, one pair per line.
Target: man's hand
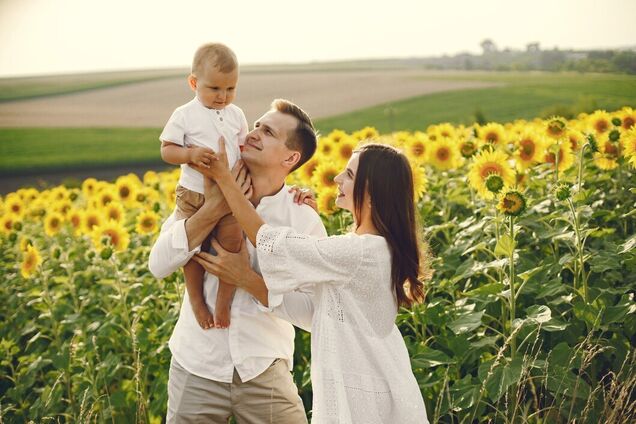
241,176
232,268
200,156
304,195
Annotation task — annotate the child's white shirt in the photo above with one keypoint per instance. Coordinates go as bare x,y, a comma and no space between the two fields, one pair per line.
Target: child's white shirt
193,124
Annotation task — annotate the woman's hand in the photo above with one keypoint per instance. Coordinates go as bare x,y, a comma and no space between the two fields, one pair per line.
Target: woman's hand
232,268
304,195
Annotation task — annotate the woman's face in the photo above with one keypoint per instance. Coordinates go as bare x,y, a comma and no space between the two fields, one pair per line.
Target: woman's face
345,182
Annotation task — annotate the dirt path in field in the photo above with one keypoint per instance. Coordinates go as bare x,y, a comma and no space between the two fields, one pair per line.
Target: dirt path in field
149,104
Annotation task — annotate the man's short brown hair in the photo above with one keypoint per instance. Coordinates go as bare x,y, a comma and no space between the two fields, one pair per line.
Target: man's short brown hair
216,55
303,138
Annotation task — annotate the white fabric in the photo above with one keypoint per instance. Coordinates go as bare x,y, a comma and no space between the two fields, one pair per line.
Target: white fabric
254,338
193,124
360,368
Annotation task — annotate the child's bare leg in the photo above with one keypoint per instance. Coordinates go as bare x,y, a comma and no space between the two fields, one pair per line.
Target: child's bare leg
194,283
229,236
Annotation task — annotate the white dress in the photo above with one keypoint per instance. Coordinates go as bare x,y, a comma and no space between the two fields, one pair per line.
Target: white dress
360,368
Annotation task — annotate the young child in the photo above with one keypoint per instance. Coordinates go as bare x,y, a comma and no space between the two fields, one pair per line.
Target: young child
192,130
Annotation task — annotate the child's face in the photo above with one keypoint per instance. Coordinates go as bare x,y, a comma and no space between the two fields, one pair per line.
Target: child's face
214,88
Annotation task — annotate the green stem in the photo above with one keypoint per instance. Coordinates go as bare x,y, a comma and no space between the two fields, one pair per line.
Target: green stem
580,275
580,176
513,297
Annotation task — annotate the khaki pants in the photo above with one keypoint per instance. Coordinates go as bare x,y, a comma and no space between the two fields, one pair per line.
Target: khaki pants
272,397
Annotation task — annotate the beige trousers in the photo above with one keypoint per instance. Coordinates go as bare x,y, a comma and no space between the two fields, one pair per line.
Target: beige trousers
272,397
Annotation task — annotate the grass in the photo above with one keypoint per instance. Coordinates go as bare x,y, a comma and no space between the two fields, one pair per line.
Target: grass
524,95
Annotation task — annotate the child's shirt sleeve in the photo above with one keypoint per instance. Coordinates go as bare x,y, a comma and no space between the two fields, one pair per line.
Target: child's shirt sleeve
174,131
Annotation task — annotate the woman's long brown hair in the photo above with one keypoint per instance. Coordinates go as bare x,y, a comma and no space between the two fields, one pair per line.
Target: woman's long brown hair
384,172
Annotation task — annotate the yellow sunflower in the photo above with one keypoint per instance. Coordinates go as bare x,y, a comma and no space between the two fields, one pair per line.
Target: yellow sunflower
561,151
419,181
415,149
628,118
62,207
365,133
443,154
147,222
529,149
151,178
337,135
325,146
489,162
126,187
24,243
6,223
324,175
443,130
306,171
31,259
600,121
28,194
59,193
556,127
76,218
110,233
512,203
629,146
114,211
607,156
14,205
104,197
92,219
577,139
89,187
53,223
344,149
492,133
327,200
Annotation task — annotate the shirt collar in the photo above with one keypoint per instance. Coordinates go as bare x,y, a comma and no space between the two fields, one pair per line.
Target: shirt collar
207,109
277,197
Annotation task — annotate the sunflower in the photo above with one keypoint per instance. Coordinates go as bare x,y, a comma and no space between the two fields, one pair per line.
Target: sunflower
126,187
577,139
306,171
75,217
151,178
114,211
444,130
629,146
92,218
62,207
30,261
600,121
28,194
327,200
110,233
146,195
628,118
104,197
486,163
324,175
24,243
467,147
415,149
325,146
344,149
53,223
529,149
59,193
147,222
89,187
365,133
443,154
562,152
492,133
556,127
512,203
6,223
337,135
607,156
14,205
419,181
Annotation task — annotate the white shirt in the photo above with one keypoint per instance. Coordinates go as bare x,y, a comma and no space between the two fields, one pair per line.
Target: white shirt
193,124
254,338
360,367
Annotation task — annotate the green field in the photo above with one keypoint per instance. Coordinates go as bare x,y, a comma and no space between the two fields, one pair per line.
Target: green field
523,95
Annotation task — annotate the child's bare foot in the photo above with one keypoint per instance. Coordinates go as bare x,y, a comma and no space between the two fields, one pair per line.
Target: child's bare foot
222,316
203,315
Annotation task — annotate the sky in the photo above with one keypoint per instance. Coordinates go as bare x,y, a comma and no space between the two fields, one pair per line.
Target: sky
40,37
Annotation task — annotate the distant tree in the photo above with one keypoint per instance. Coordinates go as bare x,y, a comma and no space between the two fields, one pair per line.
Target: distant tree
532,47
488,46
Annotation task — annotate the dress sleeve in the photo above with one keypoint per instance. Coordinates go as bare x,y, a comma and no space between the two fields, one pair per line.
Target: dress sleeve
289,260
174,131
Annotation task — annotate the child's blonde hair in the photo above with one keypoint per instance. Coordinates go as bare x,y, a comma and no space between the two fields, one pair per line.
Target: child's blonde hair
217,55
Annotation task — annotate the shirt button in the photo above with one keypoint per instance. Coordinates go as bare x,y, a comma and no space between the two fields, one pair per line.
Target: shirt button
218,112
221,119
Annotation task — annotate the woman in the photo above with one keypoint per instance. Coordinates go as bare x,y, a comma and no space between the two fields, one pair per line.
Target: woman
360,368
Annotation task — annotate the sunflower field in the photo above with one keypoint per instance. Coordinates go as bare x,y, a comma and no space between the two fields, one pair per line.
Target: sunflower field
529,317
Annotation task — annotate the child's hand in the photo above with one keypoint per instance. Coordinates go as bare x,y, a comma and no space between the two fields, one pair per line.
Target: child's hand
304,195
200,156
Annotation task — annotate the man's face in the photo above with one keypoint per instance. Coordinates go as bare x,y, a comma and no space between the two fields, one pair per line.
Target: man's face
265,144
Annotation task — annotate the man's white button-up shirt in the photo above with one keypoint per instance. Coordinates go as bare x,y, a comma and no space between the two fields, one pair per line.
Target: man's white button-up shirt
254,338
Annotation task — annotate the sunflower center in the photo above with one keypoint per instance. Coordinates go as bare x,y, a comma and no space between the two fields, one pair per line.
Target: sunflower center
527,149
601,125
628,122
418,149
8,224
346,151
492,137
611,150
75,220
124,192
327,178
147,223
55,223
114,236
92,221
443,154
15,207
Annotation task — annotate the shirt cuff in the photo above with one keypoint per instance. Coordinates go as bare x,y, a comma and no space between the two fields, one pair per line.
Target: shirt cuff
180,240
274,301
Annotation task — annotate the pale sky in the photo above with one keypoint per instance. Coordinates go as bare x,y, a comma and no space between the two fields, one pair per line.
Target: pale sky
61,36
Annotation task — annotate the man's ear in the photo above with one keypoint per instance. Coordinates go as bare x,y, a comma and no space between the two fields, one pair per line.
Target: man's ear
192,82
292,159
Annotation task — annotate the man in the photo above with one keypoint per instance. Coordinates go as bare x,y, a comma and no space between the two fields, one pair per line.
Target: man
244,370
